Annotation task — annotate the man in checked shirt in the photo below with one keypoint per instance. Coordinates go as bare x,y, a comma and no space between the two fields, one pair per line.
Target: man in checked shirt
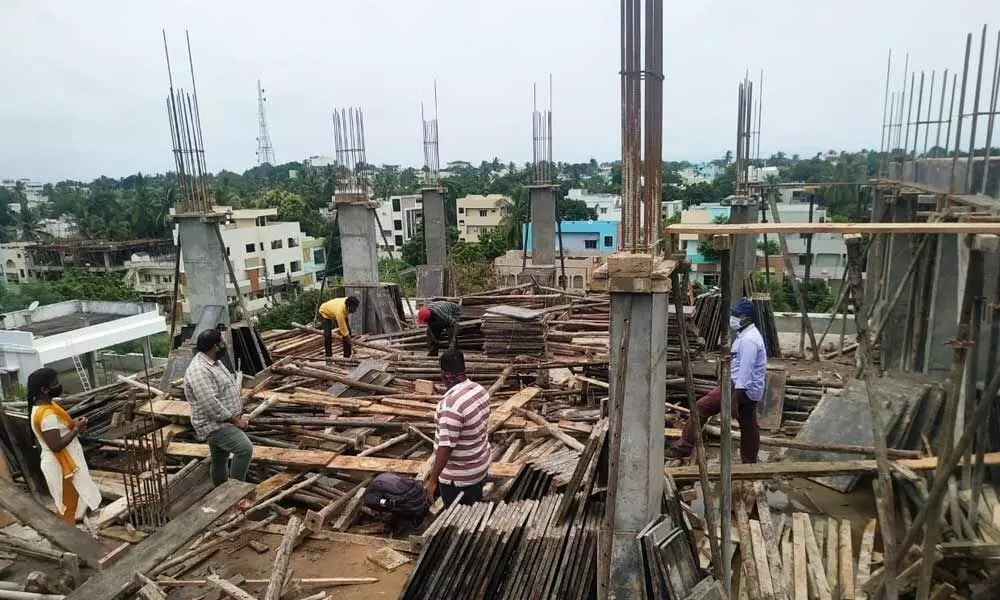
217,409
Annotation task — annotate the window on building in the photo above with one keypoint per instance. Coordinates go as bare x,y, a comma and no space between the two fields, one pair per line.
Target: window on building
578,282
562,281
461,210
22,272
711,279
604,210
261,221
590,244
608,241
398,241
277,244
279,268
251,248
395,205
803,259
296,266
484,213
319,256
822,219
293,243
397,225
461,221
260,246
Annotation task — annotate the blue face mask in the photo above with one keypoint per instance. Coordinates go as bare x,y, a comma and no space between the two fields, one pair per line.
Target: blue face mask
734,322
220,353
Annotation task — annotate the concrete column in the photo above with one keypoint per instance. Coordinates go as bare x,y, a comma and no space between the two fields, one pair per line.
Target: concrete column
900,253
359,252
431,278
744,247
636,432
205,268
543,225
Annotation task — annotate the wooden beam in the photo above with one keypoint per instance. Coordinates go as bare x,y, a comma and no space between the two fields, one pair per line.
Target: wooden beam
117,579
24,508
788,228
499,416
811,468
320,459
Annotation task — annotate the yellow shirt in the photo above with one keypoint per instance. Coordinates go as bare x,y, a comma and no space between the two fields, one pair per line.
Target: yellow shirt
336,310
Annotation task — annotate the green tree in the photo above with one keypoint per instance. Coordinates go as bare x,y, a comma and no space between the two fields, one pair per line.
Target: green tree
705,246
772,248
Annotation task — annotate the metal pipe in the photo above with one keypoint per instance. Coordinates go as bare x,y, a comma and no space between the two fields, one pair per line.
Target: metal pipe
909,116
961,109
993,112
916,124
885,111
944,87
930,101
902,101
970,168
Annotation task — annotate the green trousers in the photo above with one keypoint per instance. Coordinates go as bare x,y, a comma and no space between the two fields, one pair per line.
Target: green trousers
226,441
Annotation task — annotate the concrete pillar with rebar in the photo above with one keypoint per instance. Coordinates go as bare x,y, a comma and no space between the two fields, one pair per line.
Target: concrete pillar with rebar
432,277
542,199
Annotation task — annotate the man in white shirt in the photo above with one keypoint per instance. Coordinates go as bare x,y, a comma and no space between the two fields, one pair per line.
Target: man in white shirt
749,370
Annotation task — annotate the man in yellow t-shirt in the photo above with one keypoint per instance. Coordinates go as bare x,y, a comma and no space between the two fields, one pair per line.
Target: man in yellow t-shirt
337,310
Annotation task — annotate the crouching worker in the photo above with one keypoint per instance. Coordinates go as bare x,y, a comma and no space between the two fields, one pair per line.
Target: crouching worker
336,311
441,319
749,370
62,462
461,438
397,500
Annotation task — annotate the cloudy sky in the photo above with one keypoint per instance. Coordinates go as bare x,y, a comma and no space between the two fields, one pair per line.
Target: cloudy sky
84,82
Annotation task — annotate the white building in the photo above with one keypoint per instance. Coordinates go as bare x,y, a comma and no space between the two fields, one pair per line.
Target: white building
15,261
32,190
607,206
479,214
761,174
321,161
400,218
64,227
267,255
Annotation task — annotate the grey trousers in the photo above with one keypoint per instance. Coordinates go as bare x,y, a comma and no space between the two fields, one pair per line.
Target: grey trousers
226,441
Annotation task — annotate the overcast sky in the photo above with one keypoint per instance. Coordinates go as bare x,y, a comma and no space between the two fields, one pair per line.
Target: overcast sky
84,82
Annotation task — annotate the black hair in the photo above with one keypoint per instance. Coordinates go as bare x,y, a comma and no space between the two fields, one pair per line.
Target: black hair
44,377
352,303
208,339
453,361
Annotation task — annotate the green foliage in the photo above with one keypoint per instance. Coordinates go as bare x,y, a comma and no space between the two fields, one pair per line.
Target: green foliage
779,300
773,248
818,295
398,272
413,252
299,310
705,247
75,284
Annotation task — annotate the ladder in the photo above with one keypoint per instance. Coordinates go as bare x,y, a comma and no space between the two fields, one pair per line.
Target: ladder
81,373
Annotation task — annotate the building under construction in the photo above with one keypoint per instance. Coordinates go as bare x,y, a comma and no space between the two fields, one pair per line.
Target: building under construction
876,478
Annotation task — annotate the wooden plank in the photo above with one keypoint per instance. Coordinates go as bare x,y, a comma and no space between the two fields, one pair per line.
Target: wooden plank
804,469
800,521
846,570
346,538
115,580
842,228
787,578
230,589
760,558
506,410
282,558
832,554
771,542
273,483
774,404
751,577
177,409
815,570
26,510
865,560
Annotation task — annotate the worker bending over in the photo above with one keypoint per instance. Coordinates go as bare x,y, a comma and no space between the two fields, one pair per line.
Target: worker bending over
441,318
337,310
749,368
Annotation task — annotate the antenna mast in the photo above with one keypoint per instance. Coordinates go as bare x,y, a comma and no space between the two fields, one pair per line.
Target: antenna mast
265,152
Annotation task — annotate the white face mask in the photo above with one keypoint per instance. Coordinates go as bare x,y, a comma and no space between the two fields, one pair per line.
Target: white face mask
734,322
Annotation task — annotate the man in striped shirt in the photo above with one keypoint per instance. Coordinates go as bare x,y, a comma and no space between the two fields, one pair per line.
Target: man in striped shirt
461,445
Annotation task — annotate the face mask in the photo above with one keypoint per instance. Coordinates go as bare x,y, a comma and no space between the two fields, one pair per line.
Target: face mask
220,353
734,322
56,391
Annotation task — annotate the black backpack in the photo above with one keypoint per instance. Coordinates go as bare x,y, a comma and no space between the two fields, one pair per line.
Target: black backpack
394,497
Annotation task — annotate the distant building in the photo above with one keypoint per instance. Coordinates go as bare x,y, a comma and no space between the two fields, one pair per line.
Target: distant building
32,190
828,249
63,228
272,261
15,261
400,218
49,260
703,173
580,267
669,208
321,161
479,214
761,174
607,206
581,236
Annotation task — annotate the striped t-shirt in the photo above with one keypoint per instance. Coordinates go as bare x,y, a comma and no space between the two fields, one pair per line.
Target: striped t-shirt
462,419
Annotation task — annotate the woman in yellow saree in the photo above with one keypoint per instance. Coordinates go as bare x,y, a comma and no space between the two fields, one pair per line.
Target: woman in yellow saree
63,464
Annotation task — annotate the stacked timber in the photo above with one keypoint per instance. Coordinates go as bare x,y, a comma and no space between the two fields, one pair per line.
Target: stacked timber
511,331
509,551
710,317
765,323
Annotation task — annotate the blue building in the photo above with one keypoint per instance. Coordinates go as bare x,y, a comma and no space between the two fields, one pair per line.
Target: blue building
582,236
